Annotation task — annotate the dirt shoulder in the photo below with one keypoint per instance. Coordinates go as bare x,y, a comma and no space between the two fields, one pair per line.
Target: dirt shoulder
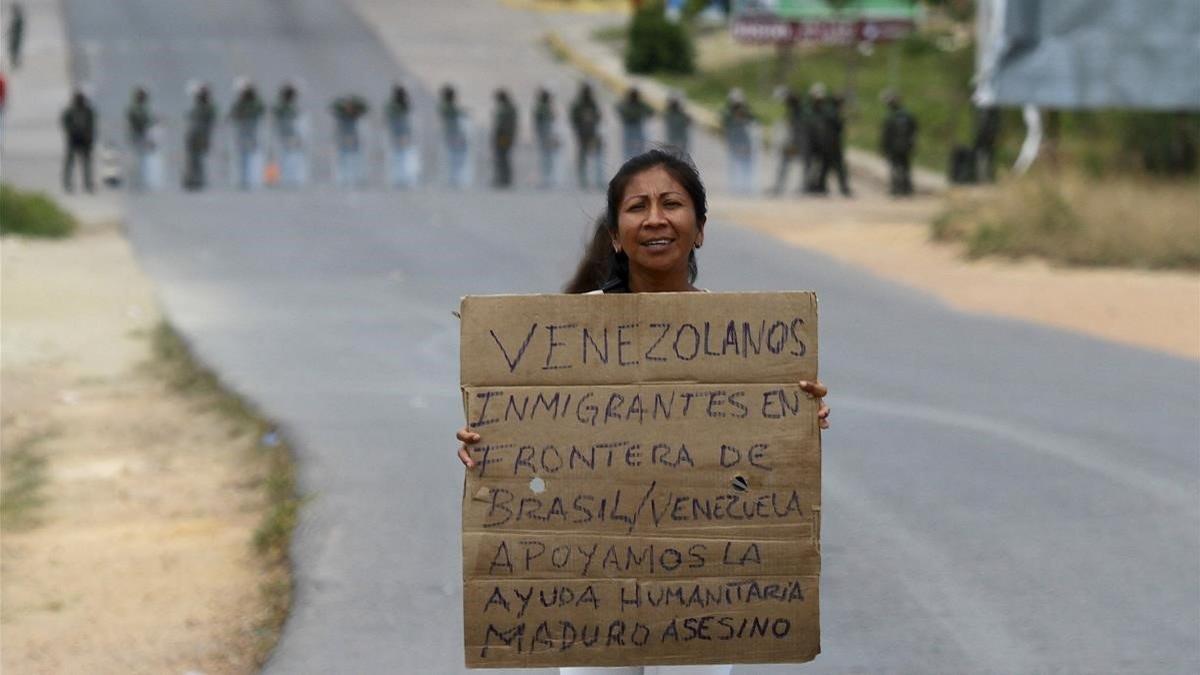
127,546
1154,310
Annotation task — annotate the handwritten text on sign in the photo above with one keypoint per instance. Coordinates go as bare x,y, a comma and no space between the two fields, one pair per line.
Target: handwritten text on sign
648,483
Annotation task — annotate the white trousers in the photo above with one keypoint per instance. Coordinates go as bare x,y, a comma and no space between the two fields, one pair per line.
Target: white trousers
649,670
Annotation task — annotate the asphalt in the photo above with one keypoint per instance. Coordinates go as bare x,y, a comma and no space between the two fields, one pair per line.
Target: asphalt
999,496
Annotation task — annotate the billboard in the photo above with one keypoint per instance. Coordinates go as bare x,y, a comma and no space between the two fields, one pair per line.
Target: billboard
820,21
1073,54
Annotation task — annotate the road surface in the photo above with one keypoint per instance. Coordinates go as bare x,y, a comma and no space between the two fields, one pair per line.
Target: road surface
999,497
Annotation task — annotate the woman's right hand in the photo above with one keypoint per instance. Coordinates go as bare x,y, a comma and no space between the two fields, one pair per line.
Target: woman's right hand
467,438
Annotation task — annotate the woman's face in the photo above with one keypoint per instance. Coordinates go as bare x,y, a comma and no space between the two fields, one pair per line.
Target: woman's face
656,224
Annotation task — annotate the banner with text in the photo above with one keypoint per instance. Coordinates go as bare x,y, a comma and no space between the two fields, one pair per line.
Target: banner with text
648,486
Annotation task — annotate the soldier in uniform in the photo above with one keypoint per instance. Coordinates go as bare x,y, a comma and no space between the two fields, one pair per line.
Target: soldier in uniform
402,163
139,119
836,160
677,123
795,142
79,127
289,137
737,123
897,142
347,111
585,122
201,118
547,139
820,140
454,132
16,34
633,113
246,113
504,137
987,130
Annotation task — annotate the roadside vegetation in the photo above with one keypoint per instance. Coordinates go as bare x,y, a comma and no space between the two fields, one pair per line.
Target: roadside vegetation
24,476
1113,187
272,538
1118,221
32,214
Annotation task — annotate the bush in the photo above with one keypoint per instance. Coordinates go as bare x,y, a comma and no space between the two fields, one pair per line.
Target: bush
32,214
657,45
1077,220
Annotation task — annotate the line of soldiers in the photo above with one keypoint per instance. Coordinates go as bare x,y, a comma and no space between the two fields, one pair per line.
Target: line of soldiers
813,138
585,118
287,145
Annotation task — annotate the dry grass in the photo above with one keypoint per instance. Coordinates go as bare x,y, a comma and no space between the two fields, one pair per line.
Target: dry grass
176,363
22,477
1065,218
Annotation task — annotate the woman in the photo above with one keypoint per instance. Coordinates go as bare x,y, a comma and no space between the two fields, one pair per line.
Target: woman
647,240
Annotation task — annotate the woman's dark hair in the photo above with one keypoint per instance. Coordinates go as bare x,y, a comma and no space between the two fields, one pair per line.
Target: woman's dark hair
603,268
593,268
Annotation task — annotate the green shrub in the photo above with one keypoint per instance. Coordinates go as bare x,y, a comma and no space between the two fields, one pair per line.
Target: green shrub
32,214
657,45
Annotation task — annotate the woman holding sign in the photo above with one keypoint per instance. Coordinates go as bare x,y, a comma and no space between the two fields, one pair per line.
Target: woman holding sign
646,242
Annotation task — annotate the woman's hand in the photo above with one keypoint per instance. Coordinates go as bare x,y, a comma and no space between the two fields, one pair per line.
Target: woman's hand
818,391
468,437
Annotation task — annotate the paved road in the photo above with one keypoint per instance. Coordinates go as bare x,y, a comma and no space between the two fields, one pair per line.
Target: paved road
999,497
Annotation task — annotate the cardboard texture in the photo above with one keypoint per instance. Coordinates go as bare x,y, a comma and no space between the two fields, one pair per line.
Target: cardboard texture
648,488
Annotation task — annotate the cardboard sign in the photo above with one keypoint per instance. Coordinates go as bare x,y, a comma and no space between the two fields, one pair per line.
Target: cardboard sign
648,487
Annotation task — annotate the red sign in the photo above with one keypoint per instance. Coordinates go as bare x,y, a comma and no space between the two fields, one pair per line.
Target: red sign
759,30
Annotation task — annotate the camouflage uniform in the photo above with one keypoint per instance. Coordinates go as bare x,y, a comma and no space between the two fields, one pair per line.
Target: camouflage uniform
585,121
898,140
546,136
678,125
246,113
201,119
79,127
347,111
633,112
504,137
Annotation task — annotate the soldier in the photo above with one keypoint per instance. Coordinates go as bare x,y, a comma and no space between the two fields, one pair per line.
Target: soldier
987,130
504,137
633,113
677,123
897,142
288,122
454,131
79,127
246,113
402,163
585,121
16,34
547,138
347,111
836,160
139,120
820,140
795,142
737,122
197,139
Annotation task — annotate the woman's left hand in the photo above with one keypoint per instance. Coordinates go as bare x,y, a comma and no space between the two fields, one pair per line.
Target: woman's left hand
818,391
